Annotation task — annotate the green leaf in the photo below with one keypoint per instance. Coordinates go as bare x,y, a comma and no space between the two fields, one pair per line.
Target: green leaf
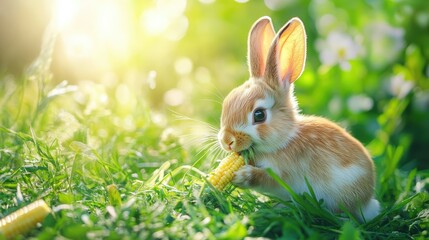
291,231
66,198
349,232
114,195
236,231
76,231
414,59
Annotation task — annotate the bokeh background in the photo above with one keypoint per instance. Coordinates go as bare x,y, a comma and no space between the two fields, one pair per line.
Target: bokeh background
367,66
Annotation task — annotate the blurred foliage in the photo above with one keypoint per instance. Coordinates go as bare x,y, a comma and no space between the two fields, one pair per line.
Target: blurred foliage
187,55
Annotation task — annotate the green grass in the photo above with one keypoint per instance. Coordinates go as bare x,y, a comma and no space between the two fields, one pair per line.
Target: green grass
56,149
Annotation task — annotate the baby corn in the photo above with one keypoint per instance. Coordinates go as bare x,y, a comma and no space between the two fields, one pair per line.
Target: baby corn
24,219
224,173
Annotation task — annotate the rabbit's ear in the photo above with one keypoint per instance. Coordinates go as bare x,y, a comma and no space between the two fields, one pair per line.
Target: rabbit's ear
286,59
260,38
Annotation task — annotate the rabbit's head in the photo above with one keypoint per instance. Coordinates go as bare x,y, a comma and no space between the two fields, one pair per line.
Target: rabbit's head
262,112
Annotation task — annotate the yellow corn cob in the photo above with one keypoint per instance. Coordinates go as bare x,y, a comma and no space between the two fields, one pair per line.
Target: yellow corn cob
224,173
24,219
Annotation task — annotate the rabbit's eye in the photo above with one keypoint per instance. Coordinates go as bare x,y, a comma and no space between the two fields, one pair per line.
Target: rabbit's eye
259,115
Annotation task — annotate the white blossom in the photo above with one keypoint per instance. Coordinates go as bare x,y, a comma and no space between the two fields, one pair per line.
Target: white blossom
399,87
338,48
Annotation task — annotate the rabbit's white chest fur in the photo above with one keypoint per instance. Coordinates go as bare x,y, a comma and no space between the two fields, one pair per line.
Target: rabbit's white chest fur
294,175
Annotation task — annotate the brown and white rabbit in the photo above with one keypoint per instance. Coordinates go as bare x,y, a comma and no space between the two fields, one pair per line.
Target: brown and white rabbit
262,114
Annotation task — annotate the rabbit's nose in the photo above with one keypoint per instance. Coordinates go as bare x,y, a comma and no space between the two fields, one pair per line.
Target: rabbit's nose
231,145
227,140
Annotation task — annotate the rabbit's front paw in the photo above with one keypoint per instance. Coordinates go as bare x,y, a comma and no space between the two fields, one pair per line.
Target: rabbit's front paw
245,177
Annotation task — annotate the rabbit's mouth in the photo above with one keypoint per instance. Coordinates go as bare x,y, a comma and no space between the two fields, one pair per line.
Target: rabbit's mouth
248,154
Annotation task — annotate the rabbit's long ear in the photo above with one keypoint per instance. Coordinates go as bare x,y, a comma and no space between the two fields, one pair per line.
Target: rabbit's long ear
287,54
260,38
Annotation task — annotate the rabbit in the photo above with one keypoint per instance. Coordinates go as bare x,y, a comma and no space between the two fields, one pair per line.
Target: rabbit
263,114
